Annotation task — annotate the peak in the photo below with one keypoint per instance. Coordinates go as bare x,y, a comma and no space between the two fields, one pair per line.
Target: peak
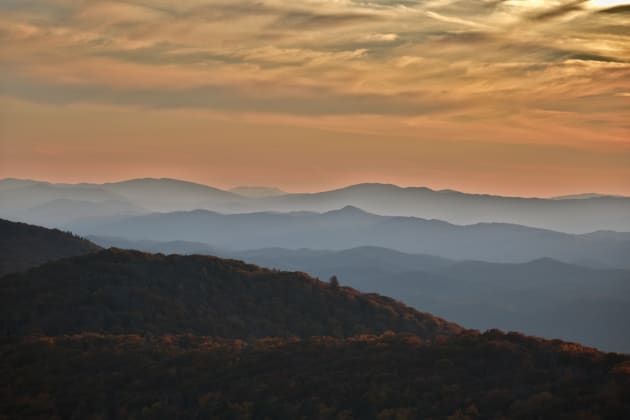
547,262
349,210
373,186
154,181
163,184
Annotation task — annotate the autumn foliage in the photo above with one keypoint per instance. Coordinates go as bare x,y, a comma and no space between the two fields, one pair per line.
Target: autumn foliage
124,334
391,376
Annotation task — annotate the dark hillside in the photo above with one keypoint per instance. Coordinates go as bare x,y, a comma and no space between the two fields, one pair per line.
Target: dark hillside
120,292
23,246
489,376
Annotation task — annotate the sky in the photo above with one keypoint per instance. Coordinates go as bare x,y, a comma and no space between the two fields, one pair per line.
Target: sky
513,97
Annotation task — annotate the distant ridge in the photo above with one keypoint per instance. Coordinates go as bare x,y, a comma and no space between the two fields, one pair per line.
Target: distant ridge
586,196
582,213
253,189
351,227
158,183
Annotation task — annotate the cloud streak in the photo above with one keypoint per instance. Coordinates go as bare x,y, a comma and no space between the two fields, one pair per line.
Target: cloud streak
517,71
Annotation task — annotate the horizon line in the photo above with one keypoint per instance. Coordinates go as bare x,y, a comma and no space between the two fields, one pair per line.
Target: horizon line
567,195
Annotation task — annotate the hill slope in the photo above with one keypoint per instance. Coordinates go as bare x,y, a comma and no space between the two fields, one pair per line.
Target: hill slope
121,292
124,334
24,246
588,306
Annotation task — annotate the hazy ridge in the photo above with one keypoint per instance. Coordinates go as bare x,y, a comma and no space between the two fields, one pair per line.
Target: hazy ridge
573,215
351,227
587,305
130,334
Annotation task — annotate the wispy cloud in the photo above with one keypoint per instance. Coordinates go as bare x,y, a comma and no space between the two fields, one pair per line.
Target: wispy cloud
319,57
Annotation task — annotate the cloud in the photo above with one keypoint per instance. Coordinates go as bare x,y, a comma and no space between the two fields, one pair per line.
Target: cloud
301,20
625,9
316,57
381,37
559,11
454,20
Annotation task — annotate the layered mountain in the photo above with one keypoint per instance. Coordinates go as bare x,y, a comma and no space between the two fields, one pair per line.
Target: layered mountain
587,305
123,292
125,334
544,297
351,227
170,194
573,214
53,205
23,246
62,211
580,215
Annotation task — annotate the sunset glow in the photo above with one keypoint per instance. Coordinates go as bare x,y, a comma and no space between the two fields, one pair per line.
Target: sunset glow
509,97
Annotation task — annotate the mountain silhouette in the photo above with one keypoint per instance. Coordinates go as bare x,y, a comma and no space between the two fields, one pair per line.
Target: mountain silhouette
587,305
351,227
126,334
23,246
116,291
572,214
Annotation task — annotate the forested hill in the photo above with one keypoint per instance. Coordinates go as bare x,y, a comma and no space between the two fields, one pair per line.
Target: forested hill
391,377
130,335
23,246
120,292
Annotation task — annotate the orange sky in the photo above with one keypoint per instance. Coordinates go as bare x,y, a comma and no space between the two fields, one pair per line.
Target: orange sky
508,97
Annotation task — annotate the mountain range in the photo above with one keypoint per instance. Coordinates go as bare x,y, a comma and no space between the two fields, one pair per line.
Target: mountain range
577,214
351,227
587,305
125,334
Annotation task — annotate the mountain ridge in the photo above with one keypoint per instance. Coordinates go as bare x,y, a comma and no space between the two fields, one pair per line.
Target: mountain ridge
126,292
126,334
579,215
23,246
475,294
351,227
360,185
